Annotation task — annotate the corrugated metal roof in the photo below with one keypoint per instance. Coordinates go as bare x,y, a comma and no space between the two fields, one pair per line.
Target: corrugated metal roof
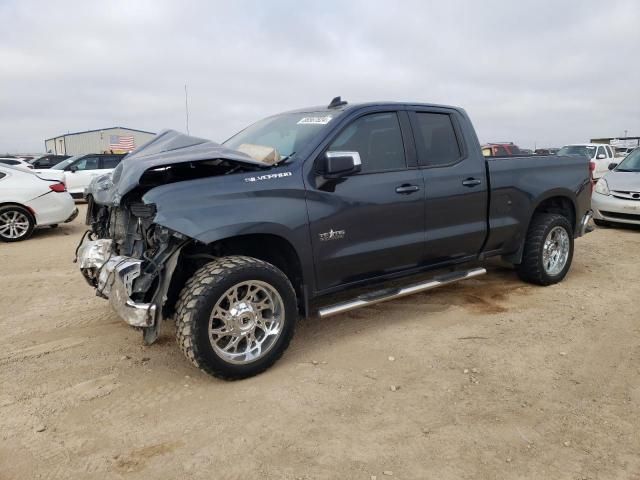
99,130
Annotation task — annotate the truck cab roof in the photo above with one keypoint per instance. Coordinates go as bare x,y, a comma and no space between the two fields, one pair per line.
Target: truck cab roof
348,107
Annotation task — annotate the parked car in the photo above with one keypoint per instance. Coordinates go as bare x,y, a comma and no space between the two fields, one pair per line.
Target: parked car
546,151
616,198
621,152
28,201
16,162
601,155
76,172
235,241
47,161
500,150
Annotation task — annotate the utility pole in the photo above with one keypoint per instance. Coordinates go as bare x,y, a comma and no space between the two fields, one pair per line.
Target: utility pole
186,107
625,134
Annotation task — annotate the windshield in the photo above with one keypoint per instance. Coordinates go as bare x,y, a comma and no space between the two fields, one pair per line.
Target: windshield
287,132
578,150
631,163
65,163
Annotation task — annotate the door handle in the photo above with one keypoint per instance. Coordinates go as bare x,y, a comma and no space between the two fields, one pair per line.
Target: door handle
471,182
406,188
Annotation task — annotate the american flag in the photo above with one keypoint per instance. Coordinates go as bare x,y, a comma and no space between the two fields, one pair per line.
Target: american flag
121,142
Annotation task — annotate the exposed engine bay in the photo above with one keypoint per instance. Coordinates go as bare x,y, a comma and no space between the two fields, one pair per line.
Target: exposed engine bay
128,257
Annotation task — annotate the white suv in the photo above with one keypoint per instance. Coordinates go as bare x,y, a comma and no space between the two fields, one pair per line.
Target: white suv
77,172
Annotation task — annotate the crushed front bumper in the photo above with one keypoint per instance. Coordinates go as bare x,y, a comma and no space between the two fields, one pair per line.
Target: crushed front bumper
113,278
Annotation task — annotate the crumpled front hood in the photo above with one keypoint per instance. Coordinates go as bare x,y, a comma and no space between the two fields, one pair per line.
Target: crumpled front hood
169,147
624,181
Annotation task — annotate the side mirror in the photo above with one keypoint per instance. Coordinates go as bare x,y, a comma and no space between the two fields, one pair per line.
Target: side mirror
601,156
612,165
73,168
341,164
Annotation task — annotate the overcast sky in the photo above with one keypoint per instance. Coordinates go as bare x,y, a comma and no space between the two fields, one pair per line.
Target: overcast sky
539,72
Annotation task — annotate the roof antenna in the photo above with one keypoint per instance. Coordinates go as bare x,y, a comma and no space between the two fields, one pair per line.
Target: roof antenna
337,102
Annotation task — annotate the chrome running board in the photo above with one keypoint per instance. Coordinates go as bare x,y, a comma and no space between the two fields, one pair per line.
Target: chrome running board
391,293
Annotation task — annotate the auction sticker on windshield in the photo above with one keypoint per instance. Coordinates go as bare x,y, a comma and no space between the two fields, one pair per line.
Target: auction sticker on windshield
315,120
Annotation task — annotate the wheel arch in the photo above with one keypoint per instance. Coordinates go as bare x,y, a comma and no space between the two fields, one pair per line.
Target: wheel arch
26,207
559,201
271,248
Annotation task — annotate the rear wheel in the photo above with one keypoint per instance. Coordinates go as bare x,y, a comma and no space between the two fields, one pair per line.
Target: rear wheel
16,223
235,317
548,250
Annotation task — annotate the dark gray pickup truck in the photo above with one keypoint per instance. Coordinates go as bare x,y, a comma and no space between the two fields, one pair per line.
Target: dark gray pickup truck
235,242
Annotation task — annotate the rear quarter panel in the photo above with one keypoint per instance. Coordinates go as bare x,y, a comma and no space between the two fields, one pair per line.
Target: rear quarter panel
520,184
20,187
52,207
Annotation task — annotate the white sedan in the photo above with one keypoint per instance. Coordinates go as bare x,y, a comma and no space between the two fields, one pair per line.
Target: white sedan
15,162
29,200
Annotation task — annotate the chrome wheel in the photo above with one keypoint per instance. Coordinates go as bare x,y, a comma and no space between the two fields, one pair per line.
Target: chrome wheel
246,322
555,251
13,224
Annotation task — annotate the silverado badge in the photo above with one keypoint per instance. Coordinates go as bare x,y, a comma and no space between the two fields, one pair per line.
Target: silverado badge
332,235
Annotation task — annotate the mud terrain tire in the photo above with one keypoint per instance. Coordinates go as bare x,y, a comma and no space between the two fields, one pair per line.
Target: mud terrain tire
205,289
533,268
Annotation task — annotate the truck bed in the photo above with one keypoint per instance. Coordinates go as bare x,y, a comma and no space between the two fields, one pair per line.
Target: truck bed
518,184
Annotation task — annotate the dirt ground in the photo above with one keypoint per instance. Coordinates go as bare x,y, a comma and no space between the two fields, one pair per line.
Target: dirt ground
491,378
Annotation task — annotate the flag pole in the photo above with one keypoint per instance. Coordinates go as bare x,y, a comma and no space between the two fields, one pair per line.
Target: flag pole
186,107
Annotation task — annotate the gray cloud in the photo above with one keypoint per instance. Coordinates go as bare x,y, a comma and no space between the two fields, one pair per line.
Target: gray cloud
532,72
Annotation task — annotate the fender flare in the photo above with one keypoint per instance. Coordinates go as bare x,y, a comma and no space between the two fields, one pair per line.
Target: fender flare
516,257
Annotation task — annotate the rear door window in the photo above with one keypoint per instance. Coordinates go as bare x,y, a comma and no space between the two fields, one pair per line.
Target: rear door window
609,152
436,139
87,163
110,161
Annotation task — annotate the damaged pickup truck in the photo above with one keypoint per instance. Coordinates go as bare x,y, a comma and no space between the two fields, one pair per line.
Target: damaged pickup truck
235,242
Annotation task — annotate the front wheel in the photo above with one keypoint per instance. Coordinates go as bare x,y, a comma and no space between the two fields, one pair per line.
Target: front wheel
548,250
235,317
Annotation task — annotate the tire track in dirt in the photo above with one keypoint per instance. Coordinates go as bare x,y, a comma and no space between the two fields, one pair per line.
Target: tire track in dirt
39,350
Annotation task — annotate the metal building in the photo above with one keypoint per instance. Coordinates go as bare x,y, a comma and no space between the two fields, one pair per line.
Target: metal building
113,139
623,142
